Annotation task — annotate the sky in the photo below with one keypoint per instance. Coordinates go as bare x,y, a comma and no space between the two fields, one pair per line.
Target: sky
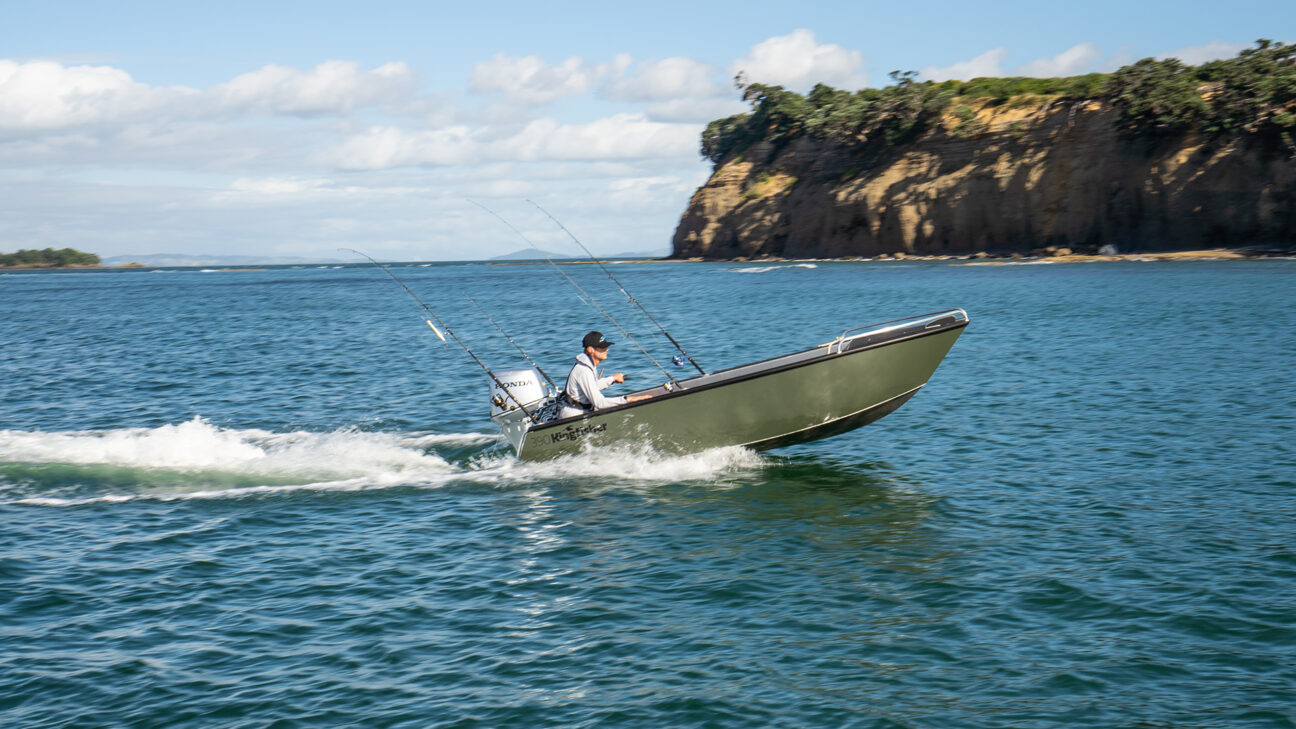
294,129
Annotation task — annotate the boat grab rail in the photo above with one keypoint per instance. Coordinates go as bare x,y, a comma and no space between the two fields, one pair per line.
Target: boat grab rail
925,320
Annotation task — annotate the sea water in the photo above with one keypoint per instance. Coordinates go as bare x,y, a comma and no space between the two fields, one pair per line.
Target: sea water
274,499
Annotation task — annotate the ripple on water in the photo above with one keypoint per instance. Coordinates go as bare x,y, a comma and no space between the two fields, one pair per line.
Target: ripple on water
1083,520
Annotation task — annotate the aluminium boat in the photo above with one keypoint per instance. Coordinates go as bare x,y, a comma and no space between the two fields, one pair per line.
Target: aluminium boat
851,381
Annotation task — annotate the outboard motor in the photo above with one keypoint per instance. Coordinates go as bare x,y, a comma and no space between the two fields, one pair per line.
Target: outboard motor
524,386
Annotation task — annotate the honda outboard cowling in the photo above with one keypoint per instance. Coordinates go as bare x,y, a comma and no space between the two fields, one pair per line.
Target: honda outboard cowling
523,386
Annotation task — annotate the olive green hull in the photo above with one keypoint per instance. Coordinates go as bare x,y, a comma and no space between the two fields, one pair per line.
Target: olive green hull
793,399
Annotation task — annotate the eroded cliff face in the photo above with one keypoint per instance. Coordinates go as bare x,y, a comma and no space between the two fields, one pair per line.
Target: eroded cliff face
1008,179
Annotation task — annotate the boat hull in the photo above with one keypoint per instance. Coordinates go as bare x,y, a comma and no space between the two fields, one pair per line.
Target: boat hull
789,400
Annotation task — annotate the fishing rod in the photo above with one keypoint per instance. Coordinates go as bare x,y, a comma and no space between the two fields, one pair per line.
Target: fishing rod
516,346
449,331
632,299
584,297
587,298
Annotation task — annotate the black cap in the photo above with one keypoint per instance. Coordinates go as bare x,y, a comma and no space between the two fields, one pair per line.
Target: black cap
595,340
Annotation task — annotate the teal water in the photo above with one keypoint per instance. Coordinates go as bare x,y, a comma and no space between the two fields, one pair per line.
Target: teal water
273,499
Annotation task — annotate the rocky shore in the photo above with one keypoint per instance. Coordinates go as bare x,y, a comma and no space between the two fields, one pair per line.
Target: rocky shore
1060,255
1050,255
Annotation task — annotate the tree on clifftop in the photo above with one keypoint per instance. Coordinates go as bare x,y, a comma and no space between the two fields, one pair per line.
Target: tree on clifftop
1157,96
778,116
1254,93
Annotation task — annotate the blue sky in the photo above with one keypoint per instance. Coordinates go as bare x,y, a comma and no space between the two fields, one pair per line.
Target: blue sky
297,128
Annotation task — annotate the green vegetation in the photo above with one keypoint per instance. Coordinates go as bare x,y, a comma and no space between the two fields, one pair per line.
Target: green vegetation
1254,93
894,113
49,257
1000,90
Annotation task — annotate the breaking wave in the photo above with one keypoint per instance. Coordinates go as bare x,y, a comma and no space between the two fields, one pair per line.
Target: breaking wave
197,459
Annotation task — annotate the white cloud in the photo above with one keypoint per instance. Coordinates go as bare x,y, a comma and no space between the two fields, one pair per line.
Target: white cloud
332,87
989,63
1213,51
512,188
530,80
697,111
796,61
386,147
41,96
1078,59
621,136
667,80
301,161
674,90
1073,61
275,186
618,137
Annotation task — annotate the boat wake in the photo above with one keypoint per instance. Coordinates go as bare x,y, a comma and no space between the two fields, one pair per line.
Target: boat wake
766,269
199,460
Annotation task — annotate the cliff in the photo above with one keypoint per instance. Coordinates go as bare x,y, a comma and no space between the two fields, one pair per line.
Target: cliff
996,177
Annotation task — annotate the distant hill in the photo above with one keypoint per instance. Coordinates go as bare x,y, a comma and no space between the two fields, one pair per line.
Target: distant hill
530,254
182,259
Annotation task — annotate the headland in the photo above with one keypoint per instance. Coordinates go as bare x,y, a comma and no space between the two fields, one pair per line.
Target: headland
1156,157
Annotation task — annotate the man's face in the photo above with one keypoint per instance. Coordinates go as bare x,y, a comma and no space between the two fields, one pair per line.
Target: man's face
596,354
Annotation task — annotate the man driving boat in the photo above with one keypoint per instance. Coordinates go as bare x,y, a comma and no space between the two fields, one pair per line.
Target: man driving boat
583,392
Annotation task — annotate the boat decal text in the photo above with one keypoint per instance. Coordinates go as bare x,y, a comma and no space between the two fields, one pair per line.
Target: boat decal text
573,433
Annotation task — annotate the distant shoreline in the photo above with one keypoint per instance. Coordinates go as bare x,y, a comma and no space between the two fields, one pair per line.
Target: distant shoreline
1211,254
973,259
990,259
46,267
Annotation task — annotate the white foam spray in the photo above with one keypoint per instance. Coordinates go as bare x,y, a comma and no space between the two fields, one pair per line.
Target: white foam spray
199,455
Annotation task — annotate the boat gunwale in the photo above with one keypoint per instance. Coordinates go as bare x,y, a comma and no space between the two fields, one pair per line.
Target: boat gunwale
828,354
